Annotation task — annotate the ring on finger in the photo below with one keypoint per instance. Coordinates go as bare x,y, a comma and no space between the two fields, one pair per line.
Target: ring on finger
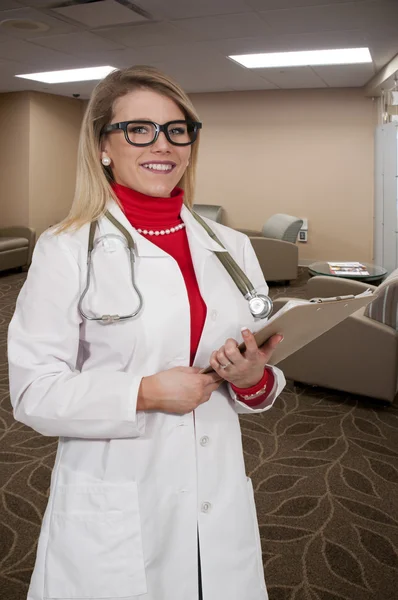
224,366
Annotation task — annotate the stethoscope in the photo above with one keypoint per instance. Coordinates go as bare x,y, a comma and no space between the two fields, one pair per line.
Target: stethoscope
260,305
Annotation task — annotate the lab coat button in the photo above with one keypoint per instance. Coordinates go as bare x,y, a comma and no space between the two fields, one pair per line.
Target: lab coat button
206,506
214,315
204,440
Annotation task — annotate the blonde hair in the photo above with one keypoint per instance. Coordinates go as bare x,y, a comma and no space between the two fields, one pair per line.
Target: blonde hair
93,180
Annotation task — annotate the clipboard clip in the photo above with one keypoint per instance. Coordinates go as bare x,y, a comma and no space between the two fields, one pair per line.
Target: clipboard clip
332,299
368,292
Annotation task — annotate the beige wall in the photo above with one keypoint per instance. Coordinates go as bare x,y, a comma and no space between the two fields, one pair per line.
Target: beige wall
54,132
39,138
304,152
14,155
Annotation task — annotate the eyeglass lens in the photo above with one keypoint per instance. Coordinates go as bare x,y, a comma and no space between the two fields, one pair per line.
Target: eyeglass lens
144,133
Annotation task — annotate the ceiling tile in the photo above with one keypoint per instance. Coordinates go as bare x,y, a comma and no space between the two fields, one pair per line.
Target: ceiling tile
223,27
324,40
314,19
379,16
176,52
260,84
292,77
4,36
8,5
345,75
181,9
194,71
11,67
382,50
33,55
154,34
116,58
38,3
198,81
76,43
275,4
100,14
10,83
55,25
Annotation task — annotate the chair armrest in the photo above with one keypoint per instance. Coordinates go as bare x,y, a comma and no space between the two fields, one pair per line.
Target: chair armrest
250,232
324,286
21,232
269,251
278,259
269,245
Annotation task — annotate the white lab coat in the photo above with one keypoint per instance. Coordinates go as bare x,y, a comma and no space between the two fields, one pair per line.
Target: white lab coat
129,489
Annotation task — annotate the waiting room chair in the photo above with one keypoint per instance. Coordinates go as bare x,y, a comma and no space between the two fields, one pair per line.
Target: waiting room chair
275,247
16,247
210,211
360,354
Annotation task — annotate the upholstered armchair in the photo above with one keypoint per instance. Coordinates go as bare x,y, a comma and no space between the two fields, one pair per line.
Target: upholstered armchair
360,354
16,247
275,247
210,211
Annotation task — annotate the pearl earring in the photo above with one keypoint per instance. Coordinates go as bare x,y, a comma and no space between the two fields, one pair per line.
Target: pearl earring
106,161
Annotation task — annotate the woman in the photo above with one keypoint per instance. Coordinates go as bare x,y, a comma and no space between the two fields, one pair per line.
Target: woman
149,467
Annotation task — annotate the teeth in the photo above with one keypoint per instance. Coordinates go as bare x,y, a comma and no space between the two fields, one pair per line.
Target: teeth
158,167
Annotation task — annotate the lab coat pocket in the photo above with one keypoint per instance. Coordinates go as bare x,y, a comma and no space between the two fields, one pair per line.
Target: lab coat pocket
95,546
256,533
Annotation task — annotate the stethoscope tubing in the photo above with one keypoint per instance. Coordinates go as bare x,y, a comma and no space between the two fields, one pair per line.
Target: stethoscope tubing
237,274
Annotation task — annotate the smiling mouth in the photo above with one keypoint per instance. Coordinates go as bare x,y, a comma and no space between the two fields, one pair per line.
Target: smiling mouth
159,168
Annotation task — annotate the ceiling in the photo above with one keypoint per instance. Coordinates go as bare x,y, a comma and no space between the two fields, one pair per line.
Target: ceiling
190,40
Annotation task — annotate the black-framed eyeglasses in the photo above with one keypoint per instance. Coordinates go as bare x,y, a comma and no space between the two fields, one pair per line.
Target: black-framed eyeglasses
145,133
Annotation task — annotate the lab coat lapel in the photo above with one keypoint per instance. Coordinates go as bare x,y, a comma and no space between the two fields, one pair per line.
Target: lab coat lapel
202,248
143,247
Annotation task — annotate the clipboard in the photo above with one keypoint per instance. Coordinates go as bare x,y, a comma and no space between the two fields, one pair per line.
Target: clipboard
302,321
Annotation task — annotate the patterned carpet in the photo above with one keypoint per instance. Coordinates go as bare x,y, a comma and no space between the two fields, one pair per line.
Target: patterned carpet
324,469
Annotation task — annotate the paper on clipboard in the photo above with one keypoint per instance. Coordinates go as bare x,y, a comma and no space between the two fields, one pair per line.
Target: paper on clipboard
302,321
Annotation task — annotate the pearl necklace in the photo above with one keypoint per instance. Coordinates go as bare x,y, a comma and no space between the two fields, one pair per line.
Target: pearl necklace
162,231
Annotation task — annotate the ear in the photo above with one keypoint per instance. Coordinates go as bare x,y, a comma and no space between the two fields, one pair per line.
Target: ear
104,154
104,144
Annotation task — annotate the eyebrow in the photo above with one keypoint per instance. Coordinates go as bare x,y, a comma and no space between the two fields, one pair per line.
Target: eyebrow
152,121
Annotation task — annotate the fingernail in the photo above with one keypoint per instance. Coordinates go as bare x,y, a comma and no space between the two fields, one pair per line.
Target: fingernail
281,340
244,331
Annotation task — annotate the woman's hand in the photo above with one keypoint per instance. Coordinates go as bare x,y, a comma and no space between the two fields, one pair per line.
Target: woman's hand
247,369
179,390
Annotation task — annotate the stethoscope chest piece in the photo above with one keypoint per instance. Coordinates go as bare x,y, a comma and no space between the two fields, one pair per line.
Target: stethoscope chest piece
260,306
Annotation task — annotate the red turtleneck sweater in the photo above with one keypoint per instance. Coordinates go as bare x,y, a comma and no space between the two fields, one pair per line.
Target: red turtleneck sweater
149,213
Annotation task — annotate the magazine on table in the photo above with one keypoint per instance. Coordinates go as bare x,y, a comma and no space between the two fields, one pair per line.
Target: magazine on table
348,268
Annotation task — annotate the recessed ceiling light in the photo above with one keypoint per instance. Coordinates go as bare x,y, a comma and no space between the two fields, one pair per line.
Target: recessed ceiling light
87,74
24,25
345,56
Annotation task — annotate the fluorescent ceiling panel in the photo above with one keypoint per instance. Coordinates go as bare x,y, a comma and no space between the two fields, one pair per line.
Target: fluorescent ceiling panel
306,58
87,74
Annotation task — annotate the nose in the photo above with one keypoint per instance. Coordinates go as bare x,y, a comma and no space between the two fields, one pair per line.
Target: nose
162,144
